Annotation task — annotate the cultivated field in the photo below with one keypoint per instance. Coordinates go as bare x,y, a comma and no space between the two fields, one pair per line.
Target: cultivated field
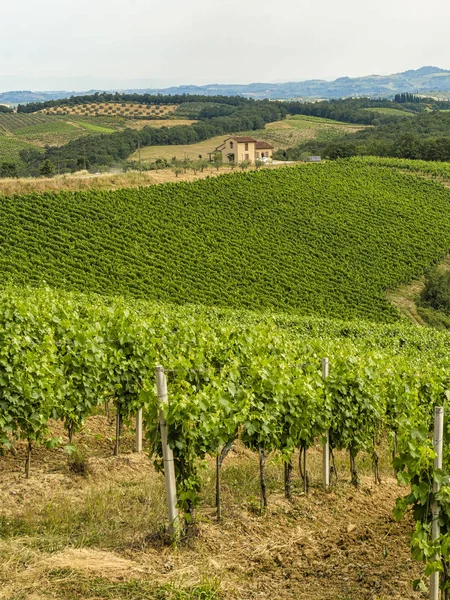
11,146
326,240
335,258
126,109
391,111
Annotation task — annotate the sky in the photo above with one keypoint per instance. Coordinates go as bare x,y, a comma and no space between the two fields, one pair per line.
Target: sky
106,44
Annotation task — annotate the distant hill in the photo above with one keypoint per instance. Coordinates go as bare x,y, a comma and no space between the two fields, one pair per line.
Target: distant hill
423,80
25,96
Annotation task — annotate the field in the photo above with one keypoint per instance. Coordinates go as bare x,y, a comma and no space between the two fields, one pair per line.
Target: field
314,245
20,130
98,538
126,109
392,111
192,151
66,536
308,122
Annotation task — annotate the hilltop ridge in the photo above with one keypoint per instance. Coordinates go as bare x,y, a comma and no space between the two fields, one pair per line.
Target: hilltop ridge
422,80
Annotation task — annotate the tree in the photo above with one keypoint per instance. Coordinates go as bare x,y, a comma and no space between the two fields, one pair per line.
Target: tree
8,169
47,168
217,160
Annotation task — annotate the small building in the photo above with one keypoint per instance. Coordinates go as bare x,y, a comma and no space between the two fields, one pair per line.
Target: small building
238,149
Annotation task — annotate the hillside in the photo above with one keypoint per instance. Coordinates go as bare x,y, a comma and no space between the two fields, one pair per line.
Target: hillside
19,131
295,129
326,239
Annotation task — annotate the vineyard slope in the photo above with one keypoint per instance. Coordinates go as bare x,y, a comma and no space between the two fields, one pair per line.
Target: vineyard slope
324,239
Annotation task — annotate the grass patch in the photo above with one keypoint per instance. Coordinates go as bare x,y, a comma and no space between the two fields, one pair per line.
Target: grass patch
94,128
118,515
398,112
192,151
70,585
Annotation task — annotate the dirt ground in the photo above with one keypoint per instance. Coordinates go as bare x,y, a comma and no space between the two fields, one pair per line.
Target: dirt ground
58,529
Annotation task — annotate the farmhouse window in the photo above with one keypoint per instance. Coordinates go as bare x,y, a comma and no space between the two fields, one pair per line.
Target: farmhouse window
246,146
231,144
247,157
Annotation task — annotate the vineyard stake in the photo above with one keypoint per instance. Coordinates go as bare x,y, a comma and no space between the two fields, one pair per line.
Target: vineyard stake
435,530
219,511
326,444
118,431
169,468
139,430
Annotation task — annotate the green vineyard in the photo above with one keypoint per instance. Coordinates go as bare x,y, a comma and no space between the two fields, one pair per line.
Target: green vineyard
232,376
318,239
175,269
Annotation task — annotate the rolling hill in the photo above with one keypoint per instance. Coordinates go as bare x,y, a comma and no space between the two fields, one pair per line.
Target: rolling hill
318,239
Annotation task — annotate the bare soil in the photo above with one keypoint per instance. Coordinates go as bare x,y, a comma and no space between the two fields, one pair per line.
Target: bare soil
341,544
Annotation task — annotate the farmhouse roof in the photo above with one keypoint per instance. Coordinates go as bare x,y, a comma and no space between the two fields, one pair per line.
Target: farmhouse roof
244,139
263,146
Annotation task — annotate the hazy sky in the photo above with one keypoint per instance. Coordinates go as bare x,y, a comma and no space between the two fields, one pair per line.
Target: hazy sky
62,44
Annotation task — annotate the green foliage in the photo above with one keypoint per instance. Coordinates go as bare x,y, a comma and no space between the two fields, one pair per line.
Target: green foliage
47,169
422,136
436,292
292,239
231,375
8,169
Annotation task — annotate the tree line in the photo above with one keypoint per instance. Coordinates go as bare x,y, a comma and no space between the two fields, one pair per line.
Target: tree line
149,99
423,136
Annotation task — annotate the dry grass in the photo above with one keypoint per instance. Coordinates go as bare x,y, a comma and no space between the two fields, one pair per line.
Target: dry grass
68,537
75,182
87,181
158,123
192,151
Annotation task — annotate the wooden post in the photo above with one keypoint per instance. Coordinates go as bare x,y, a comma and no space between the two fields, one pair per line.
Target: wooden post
218,503
326,445
118,431
169,469
139,430
435,530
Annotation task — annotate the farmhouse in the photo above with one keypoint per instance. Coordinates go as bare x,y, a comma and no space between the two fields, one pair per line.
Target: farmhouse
240,148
